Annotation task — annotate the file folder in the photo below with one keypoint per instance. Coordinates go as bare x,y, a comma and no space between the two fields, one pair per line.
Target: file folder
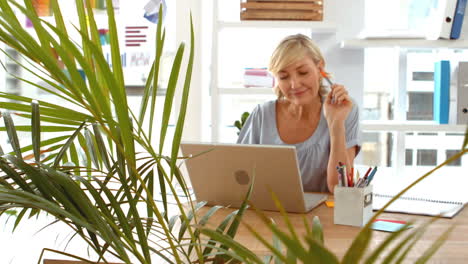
442,91
462,93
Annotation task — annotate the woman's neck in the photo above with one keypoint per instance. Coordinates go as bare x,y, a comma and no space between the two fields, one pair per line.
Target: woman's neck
303,112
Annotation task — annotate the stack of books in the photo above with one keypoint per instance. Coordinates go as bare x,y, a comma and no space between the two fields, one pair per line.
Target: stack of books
447,111
258,77
281,10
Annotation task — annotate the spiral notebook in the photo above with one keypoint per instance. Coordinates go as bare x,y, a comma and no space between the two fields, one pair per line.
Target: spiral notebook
418,205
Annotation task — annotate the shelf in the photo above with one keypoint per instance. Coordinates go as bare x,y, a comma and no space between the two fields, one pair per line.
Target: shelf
404,43
315,26
246,91
410,126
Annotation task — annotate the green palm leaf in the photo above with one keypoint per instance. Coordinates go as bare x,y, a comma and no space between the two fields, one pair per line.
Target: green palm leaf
171,86
183,109
358,247
12,135
378,251
242,252
36,130
67,145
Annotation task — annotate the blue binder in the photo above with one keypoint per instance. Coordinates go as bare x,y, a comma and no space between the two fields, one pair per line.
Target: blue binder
458,19
441,91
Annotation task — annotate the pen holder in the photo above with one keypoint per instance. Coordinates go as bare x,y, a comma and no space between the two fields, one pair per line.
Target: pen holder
353,206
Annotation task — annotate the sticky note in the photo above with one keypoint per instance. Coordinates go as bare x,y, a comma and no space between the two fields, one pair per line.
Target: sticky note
387,226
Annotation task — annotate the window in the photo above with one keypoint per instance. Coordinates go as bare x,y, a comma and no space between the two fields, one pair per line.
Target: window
449,153
420,106
408,157
426,157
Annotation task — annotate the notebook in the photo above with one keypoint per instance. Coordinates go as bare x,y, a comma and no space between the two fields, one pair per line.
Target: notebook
418,205
222,174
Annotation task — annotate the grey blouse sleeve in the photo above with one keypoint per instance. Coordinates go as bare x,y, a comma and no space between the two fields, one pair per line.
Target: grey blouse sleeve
353,134
250,132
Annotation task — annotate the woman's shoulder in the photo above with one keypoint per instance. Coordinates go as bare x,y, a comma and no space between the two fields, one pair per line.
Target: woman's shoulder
268,105
265,108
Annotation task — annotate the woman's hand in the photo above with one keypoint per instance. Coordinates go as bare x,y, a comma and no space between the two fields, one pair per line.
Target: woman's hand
337,105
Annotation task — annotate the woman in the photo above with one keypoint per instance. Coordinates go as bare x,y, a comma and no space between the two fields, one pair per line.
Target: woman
323,127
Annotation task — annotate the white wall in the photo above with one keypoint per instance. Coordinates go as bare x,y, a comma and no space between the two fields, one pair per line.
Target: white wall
345,65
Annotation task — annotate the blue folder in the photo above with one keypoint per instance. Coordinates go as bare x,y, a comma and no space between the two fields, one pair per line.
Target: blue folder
458,19
442,91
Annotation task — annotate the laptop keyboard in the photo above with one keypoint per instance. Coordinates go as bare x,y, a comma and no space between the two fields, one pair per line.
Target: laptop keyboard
314,199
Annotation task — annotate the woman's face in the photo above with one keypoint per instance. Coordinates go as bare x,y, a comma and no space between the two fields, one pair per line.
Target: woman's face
299,81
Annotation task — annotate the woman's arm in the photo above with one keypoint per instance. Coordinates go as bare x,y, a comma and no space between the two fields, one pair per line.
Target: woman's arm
338,153
336,114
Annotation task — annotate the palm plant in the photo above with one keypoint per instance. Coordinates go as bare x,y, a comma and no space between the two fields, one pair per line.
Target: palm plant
93,178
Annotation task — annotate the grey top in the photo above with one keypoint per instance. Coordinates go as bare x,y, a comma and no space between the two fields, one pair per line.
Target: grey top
312,154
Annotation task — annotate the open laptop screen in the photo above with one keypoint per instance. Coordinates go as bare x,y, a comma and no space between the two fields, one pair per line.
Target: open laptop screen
224,172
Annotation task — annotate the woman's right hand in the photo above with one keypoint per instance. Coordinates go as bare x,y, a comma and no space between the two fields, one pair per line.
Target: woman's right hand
337,104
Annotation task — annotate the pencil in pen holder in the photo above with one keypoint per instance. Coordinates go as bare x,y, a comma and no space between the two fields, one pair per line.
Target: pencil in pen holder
371,176
340,179
343,176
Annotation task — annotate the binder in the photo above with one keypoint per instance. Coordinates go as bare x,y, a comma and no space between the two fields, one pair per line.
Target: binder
447,10
462,93
458,19
441,91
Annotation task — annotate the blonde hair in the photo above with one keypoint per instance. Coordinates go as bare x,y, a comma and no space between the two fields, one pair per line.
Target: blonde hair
290,50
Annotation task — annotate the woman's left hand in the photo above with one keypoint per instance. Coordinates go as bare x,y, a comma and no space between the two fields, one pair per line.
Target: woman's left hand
337,104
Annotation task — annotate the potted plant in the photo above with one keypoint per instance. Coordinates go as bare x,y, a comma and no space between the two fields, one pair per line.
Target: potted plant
100,170
240,123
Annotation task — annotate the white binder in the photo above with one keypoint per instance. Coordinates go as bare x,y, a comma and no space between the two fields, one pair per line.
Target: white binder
462,93
447,20
440,24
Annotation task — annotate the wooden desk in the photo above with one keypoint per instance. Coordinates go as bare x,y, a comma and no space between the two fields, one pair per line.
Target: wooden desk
338,237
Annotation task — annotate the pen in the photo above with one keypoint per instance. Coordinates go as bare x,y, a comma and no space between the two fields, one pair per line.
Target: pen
367,173
325,76
371,175
358,183
357,180
345,175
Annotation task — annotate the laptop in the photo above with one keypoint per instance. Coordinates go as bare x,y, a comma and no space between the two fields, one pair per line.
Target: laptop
222,174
